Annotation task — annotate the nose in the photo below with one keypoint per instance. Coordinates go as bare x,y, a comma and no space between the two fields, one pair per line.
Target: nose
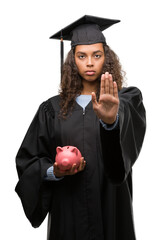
89,62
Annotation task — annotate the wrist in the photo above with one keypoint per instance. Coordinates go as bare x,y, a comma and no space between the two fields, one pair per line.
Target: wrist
110,121
51,176
111,126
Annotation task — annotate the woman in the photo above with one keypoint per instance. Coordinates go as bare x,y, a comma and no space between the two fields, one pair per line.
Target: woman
106,123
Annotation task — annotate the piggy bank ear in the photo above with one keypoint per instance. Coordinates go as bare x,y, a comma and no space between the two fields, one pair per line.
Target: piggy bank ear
59,149
75,150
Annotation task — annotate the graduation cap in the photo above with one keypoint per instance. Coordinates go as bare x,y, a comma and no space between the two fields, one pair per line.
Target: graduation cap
85,31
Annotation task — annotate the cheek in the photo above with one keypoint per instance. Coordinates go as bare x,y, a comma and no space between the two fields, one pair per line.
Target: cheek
79,66
100,66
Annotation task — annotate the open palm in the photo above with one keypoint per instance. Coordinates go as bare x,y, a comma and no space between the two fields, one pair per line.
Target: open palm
107,107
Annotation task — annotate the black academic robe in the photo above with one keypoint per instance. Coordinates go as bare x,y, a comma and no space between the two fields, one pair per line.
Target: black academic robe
95,204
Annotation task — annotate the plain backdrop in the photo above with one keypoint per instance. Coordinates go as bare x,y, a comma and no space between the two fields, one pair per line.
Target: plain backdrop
30,74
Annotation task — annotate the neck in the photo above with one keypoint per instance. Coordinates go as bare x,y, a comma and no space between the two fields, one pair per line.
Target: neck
89,87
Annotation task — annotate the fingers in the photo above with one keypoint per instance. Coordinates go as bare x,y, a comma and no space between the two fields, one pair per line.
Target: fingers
57,171
115,90
82,164
81,167
102,87
73,170
108,86
94,100
55,168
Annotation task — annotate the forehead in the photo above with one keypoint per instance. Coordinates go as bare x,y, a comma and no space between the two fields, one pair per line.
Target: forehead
89,48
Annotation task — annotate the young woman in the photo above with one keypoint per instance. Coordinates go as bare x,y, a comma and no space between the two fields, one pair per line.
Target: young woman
106,123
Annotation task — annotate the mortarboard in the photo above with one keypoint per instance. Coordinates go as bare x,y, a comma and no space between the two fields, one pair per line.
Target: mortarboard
85,31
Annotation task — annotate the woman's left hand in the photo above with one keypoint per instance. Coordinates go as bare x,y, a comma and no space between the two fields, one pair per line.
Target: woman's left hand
73,170
107,107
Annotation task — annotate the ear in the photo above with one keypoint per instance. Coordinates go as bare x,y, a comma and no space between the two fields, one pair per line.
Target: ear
75,150
59,149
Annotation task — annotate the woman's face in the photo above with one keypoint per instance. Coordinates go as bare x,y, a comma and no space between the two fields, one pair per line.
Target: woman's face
90,60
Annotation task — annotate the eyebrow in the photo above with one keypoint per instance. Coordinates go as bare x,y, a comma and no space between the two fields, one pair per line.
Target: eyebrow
97,51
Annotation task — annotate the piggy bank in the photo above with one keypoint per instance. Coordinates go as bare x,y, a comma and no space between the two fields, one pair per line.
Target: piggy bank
67,156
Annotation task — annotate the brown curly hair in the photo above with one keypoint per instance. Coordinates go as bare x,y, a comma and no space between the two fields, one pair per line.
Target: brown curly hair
71,82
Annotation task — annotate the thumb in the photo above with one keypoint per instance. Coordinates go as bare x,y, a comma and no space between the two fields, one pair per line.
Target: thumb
94,100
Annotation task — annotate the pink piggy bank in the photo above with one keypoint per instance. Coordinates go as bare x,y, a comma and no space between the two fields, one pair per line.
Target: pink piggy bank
67,156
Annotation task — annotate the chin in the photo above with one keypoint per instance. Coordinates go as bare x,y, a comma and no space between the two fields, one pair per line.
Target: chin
90,78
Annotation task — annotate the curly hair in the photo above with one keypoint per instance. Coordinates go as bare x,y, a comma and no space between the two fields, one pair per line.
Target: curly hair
71,82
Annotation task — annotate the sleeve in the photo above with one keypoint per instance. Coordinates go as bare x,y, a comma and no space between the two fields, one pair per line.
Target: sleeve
34,157
110,127
50,175
121,147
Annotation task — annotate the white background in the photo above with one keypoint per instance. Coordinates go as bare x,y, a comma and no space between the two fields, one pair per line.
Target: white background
29,74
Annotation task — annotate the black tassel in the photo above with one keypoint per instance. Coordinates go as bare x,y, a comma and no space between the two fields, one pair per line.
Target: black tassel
61,53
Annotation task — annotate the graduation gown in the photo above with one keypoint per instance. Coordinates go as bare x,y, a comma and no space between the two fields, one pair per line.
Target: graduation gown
96,203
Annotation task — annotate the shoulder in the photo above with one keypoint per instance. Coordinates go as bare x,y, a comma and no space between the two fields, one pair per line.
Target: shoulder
54,102
54,99
50,105
130,93
131,89
131,96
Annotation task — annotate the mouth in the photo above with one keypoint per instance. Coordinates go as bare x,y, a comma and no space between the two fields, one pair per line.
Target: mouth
90,72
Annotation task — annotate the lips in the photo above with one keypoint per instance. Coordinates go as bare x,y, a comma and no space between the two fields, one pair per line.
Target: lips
90,72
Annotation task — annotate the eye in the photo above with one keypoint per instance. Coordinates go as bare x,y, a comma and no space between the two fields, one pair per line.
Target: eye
81,56
97,56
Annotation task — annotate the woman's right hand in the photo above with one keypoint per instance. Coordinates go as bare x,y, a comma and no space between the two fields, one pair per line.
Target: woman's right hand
73,170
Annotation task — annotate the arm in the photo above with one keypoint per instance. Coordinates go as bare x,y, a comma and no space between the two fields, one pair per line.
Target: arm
33,159
121,147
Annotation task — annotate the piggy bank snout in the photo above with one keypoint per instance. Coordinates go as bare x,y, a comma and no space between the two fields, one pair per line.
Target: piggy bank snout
65,164
67,156
65,161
